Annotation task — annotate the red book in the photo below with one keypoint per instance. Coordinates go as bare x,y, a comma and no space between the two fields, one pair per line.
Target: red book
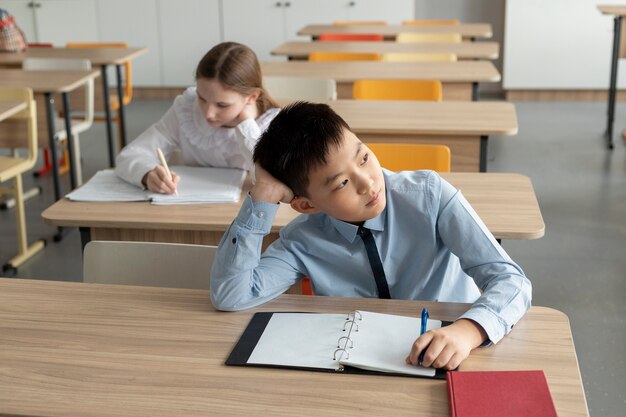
499,393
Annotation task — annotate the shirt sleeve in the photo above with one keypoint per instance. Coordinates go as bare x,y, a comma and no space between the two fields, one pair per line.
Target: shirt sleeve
506,292
139,157
240,277
248,133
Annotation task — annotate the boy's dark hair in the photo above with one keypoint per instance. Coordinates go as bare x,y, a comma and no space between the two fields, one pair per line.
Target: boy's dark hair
298,140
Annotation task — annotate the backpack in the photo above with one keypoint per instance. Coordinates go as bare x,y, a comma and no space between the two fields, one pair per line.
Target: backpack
11,37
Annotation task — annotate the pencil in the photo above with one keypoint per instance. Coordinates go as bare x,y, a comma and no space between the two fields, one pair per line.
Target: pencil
164,163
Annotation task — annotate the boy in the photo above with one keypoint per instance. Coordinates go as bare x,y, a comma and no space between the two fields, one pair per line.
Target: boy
432,244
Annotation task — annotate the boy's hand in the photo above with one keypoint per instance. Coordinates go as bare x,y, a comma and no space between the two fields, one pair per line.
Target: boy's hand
158,181
448,346
269,189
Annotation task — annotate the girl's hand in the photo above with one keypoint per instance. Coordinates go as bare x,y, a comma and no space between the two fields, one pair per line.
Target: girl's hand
249,111
158,181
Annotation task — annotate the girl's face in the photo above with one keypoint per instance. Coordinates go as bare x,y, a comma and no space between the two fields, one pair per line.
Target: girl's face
220,106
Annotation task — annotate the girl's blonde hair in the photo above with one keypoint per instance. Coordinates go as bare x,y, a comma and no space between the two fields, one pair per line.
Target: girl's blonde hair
237,68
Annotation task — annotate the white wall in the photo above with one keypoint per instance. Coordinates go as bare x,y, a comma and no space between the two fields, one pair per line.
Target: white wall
558,44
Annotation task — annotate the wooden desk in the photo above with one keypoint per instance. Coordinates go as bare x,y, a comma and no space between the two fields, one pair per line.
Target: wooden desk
618,13
10,107
102,57
460,79
464,126
463,50
505,202
47,83
107,350
467,30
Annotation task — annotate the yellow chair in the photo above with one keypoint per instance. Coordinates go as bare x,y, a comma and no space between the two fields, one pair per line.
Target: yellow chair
128,82
453,22
409,37
420,90
417,57
359,23
412,156
343,56
12,167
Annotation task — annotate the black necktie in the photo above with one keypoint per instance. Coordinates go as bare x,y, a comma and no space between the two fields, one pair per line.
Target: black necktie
375,263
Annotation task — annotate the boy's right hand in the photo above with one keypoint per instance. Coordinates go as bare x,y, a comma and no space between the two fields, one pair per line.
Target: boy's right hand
158,181
269,189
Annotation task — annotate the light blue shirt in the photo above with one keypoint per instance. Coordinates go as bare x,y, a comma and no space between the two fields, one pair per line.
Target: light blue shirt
432,244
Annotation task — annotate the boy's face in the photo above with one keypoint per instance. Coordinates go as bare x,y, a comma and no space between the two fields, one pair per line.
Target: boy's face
349,187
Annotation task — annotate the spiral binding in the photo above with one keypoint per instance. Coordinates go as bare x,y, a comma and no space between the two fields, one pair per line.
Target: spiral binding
348,325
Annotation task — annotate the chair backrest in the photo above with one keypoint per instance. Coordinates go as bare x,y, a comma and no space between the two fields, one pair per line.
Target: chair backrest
175,265
38,64
420,90
128,69
412,156
359,23
417,57
300,88
30,116
39,45
343,56
453,22
409,37
344,37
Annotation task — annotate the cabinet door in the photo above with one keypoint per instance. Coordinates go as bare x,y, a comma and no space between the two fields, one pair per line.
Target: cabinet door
134,22
391,11
23,12
62,21
189,28
258,24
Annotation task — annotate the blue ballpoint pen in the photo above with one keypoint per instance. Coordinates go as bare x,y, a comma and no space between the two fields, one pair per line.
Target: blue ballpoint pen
422,331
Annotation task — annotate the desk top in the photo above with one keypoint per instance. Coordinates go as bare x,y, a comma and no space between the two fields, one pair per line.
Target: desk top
45,81
505,202
461,71
445,118
614,9
474,30
97,56
463,50
9,107
107,350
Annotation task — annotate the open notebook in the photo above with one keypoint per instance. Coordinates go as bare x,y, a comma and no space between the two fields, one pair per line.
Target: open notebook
361,341
197,185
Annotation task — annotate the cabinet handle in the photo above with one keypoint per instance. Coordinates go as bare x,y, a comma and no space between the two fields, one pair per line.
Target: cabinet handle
287,4
352,4
279,4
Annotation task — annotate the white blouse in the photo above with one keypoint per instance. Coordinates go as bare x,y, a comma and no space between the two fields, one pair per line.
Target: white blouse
184,129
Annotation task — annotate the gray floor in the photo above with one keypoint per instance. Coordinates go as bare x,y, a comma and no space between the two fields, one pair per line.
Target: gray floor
578,267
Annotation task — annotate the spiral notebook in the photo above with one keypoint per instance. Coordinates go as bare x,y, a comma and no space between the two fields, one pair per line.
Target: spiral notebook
358,342
198,185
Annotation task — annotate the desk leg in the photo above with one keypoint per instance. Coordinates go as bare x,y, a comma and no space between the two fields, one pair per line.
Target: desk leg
483,153
70,142
85,237
613,83
53,145
475,91
120,111
107,113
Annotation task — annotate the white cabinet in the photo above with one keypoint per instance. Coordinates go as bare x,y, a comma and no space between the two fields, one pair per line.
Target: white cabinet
134,22
188,29
55,21
265,24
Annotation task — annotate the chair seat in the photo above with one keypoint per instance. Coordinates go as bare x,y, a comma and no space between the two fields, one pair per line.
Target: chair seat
11,166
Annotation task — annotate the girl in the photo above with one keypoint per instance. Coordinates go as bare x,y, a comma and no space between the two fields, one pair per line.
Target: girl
216,123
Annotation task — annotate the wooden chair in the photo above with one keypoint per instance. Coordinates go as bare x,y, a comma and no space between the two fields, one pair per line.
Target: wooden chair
417,57
155,264
348,37
453,22
359,23
410,37
420,90
412,156
301,88
79,123
12,167
343,56
113,97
